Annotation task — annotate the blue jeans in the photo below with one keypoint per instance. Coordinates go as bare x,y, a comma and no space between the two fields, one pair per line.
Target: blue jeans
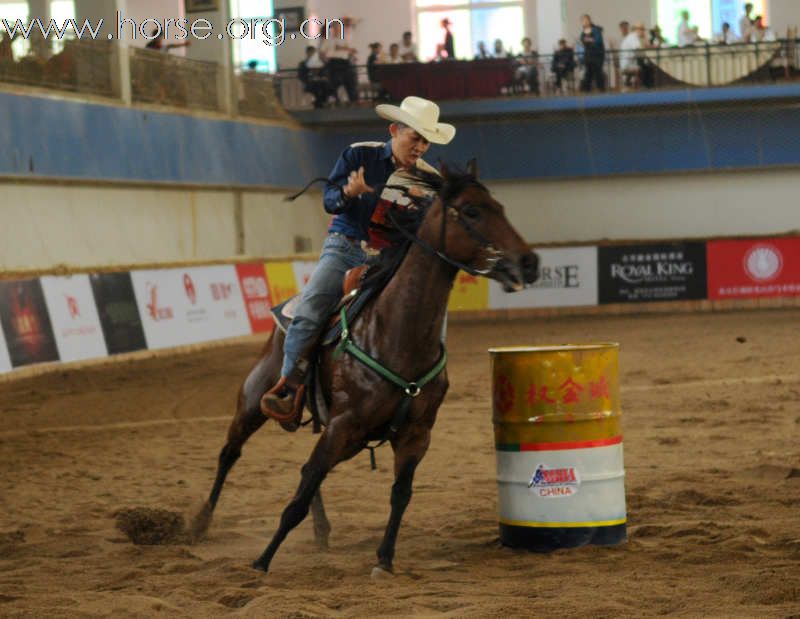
320,296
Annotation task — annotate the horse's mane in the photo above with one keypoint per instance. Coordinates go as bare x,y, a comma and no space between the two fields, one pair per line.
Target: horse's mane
447,186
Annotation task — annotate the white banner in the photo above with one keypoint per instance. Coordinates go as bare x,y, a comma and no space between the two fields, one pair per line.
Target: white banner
302,272
73,314
5,360
567,278
187,306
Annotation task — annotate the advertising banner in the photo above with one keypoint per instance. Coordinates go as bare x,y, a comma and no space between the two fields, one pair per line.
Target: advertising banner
753,268
470,292
302,272
191,305
73,314
642,273
281,280
118,312
25,322
256,295
567,278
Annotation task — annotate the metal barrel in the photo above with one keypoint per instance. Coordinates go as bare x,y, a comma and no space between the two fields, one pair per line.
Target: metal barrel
558,440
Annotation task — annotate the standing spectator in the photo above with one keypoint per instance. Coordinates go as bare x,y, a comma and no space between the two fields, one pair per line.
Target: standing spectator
309,72
449,46
594,55
746,23
686,34
157,42
408,49
376,57
337,55
726,37
628,58
482,51
563,66
527,71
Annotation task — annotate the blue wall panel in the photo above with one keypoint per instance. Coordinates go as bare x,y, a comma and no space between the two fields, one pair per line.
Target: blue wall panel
647,132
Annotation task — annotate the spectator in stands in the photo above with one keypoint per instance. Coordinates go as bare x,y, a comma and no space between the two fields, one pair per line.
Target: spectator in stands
6,51
157,42
449,46
657,38
727,36
482,51
563,66
499,50
527,71
686,34
376,57
310,73
628,58
761,33
394,55
594,55
408,49
746,23
336,53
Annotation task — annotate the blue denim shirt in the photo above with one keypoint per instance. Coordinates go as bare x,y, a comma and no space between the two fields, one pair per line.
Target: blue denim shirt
351,217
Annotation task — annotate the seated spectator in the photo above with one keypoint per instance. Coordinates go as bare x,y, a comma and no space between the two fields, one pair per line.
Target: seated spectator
657,38
499,51
394,55
311,75
376,57
408,49
563,66
726,37
628,58
482,51
527,71
761,33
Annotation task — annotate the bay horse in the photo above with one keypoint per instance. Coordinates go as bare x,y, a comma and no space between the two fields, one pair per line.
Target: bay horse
462,227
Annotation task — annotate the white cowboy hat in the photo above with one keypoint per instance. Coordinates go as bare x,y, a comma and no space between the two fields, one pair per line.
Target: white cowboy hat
422,116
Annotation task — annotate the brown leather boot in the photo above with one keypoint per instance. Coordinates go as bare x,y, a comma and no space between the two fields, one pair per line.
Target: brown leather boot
284,404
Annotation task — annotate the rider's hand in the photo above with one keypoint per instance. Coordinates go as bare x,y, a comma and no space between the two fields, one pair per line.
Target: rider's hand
356,185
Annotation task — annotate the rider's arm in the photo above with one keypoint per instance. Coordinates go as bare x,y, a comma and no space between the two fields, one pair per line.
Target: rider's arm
335,201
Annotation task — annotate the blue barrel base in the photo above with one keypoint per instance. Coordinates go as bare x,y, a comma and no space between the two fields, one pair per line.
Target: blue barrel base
546,539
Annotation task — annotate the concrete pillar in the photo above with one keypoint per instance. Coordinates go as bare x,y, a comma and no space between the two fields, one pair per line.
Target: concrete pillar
551,18
217,50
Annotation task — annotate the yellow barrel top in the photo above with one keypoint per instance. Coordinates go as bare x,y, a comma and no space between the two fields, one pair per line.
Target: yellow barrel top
555,394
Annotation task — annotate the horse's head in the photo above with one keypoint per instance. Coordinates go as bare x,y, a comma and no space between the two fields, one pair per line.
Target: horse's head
469,227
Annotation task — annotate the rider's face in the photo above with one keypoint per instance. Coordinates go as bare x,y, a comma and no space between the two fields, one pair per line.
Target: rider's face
407,145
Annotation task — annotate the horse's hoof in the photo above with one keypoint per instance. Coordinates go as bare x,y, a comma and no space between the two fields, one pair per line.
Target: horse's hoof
381,573
261,566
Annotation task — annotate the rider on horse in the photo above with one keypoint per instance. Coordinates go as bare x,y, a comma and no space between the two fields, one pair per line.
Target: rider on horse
351,198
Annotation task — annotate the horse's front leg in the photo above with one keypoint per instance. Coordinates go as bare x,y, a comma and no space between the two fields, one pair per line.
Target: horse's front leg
409,449
341,440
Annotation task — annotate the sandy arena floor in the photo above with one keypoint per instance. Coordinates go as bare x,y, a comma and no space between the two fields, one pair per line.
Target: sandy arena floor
713,484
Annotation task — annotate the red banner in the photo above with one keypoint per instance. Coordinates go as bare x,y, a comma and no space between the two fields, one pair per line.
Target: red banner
253,280
754,268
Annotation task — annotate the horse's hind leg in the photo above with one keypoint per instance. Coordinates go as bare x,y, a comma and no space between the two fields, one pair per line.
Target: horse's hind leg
247,420
339,441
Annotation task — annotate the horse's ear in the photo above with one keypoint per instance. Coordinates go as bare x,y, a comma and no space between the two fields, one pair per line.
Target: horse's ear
472,168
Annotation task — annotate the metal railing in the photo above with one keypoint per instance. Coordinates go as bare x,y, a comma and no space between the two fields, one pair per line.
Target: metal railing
79,67
651,68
